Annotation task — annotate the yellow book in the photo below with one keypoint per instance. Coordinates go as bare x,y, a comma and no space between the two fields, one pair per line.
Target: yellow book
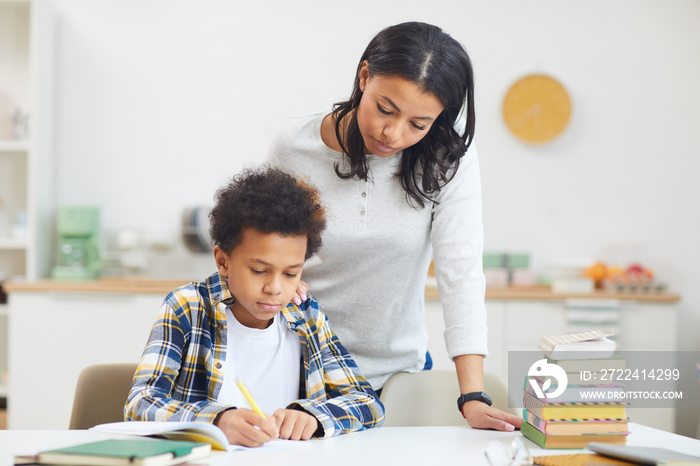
548,410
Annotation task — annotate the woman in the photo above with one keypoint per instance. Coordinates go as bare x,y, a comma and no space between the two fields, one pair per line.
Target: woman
402,184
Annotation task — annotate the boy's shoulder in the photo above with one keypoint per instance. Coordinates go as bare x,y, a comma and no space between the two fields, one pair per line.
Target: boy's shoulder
308,312
199,294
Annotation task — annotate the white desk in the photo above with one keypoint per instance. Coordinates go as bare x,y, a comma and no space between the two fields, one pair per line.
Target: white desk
384,445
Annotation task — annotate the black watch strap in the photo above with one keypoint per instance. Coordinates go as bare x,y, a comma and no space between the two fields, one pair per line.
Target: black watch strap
473,396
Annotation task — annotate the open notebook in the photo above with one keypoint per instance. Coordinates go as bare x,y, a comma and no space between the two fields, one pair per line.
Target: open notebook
190,431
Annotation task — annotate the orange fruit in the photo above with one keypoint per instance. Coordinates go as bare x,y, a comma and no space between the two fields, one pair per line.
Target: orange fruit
597,272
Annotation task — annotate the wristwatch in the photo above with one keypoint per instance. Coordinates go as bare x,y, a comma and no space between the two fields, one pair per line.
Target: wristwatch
479,396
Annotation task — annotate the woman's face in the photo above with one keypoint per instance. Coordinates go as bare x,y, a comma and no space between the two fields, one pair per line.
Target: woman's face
393,113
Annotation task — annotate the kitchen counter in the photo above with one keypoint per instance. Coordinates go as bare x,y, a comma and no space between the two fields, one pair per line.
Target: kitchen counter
539,293
103,285
164,286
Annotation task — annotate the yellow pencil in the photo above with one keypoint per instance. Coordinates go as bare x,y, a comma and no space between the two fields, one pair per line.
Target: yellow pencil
249,398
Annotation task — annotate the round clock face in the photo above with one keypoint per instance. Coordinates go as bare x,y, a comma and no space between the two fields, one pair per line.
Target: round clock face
537,108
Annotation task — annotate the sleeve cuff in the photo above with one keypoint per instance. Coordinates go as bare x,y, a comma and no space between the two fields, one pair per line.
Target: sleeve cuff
466,339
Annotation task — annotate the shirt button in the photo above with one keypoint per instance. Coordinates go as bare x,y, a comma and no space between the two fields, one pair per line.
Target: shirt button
364,194
218,365
220,326
362,212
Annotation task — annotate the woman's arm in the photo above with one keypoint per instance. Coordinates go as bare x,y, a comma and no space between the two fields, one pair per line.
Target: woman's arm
470,373
457,238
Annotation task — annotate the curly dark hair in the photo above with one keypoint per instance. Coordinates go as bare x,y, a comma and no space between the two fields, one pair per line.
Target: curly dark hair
268,200
439,65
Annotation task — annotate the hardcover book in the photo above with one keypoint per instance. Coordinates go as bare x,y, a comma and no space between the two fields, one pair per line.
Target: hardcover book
575,426
550,410
614,362
132,452
613,392
586,345
584,379
569,441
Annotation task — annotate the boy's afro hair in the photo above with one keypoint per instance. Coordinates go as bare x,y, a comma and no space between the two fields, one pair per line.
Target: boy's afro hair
268,200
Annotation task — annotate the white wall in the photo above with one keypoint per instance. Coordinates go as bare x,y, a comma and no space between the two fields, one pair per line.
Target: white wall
159,101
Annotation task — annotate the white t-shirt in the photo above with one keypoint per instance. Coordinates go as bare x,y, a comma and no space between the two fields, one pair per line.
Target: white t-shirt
267,361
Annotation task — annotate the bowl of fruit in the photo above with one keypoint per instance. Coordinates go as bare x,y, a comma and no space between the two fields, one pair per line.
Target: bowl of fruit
633,278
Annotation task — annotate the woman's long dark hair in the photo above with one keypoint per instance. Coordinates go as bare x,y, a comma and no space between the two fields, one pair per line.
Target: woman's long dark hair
437,64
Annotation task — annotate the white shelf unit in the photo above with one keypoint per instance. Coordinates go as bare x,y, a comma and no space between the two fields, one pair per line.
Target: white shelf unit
26,157
14,146
3,351
26,160
10,244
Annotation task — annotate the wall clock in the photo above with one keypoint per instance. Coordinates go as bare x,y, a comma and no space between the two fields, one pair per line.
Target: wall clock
537,108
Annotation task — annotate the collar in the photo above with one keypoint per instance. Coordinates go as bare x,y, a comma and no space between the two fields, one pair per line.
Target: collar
217,285
295,318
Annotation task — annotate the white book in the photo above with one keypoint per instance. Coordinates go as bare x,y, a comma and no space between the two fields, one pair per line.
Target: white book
191,431
585,345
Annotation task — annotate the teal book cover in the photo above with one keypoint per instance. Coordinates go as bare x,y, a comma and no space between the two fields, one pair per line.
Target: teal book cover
143,451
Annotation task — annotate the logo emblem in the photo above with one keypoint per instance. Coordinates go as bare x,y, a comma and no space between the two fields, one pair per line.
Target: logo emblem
543,369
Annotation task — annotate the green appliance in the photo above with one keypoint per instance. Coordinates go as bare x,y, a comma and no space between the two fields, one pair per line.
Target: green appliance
78,256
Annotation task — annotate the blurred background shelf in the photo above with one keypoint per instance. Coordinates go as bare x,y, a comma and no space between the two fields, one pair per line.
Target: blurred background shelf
12,243
14,146
27,46
26,137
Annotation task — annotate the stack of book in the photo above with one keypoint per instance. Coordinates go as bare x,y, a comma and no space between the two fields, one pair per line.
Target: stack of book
590,408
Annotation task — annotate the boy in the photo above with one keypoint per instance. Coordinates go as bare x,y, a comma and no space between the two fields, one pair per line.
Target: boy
240,323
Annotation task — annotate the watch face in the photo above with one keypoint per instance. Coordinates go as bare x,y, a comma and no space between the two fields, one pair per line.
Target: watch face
537,108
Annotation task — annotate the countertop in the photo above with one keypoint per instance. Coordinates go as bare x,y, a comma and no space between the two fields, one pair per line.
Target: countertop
544,293
143,285
164,286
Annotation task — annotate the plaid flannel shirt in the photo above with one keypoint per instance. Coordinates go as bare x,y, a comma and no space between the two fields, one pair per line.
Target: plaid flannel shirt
180,373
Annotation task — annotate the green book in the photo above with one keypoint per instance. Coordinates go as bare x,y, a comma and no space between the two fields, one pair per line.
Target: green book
569,441
134,451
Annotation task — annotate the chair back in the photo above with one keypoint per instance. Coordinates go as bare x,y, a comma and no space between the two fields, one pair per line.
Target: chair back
100,394
429,398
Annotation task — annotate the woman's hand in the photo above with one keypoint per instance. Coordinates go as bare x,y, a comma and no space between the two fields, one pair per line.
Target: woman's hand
295,425
470,373
244,427
482,416
300,295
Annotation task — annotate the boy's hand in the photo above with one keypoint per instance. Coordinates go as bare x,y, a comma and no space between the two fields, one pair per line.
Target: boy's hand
300,294
481,416
295,425
243,427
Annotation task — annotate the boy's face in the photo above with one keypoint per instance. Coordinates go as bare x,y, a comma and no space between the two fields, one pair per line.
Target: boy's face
263,272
